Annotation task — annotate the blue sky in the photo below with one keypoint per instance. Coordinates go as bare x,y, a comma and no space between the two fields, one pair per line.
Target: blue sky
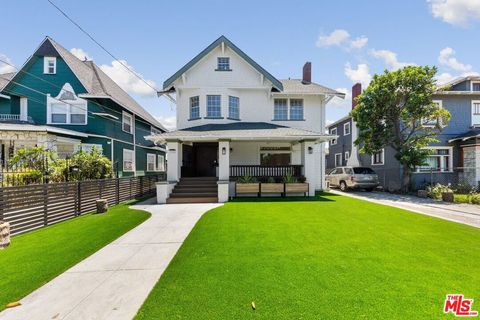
346,41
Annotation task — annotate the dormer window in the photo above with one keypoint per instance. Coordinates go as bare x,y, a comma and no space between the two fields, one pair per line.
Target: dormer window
475,85
223,64
49,65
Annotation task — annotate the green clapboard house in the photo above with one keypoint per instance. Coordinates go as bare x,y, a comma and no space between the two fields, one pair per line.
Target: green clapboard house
66,104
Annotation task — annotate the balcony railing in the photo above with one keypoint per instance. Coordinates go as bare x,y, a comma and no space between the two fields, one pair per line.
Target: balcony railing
265,171
14,118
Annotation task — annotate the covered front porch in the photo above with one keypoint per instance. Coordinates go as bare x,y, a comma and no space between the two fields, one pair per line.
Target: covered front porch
262,151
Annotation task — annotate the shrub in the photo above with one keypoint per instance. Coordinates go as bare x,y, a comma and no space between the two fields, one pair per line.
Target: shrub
246,179
271,180
475,198
463,188
435,191
302,179
289,179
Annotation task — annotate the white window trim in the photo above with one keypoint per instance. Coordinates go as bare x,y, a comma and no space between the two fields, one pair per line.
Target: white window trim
341,160
471,85
472,114
46,60
450,160
151,156
346,155
380,163
126,114
162,161
349,129
78,102
440,104
153,130
331,132
133,160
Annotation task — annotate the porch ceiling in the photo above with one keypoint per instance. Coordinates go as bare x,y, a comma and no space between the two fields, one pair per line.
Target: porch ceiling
243,131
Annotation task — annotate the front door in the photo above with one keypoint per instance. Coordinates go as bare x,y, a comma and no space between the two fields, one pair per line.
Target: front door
206,159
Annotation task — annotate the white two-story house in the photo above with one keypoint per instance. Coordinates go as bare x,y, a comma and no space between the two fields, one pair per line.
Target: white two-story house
234,119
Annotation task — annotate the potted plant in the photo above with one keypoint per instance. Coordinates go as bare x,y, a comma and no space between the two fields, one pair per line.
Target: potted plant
294,185
272,186
247,184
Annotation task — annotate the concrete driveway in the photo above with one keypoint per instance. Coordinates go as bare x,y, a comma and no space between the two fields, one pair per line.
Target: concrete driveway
468,214
113,282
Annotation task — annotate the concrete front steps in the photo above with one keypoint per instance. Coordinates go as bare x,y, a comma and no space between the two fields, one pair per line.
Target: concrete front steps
195,190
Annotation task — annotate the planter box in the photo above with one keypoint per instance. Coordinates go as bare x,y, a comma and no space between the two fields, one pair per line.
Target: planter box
296,188
447,196
272,187
247,187
422,193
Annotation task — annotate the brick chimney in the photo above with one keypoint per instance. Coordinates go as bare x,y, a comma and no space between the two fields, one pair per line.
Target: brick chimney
356,91
307,73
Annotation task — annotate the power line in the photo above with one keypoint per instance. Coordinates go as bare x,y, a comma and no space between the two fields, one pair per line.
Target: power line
100,45
61,88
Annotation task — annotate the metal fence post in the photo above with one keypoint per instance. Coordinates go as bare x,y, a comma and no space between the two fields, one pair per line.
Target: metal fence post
79,198
1,204
117,190
45,204
141,186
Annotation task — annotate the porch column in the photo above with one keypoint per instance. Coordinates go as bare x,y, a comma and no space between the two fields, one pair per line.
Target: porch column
224,160
174,157
308,162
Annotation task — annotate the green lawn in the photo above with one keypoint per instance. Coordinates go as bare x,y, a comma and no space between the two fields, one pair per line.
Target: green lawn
334,258
37,257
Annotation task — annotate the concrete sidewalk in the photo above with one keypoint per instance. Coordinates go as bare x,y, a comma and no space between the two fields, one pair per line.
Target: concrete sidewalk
113,282
468,214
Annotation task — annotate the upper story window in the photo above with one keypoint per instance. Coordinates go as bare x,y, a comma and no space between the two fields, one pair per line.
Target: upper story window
333,131
378,158
233,107
127,122
155,131
128,160
475,113
280,109
223,64
214,106
296,109
475,86
49,65
194,107
346,129
161,162
151,162
66,108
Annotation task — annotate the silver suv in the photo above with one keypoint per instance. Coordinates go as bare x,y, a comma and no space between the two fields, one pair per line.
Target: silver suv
353,178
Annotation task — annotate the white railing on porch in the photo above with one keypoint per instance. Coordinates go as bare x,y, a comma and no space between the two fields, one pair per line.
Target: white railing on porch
13,118
265,171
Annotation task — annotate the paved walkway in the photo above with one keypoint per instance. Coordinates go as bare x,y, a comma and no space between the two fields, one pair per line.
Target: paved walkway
458,212
114,282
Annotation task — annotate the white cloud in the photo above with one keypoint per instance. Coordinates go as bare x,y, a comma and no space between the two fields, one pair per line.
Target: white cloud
342,103
359,42
390,59
444,78
170,123
455,12
360,74
447,59
128,81
5,67
341,37
80,54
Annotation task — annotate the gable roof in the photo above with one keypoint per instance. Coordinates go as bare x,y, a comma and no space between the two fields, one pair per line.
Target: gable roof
95,81
5,79
297,86
167,85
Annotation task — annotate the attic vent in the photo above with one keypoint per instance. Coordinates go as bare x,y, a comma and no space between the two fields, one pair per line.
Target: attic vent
67,95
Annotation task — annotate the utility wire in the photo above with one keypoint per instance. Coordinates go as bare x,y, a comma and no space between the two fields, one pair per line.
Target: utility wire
100,45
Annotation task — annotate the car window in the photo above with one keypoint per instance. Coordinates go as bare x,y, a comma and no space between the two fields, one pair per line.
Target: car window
361,170
348,170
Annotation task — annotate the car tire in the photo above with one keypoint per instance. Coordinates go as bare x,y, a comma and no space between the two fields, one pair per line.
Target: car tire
343,186
369,189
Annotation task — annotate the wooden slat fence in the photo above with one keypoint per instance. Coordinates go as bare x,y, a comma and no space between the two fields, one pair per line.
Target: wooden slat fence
34,206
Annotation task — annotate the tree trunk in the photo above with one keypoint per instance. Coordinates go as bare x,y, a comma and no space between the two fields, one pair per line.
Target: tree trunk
405,178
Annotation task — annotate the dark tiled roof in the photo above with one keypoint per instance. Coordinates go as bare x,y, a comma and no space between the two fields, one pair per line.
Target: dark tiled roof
467,135
234,126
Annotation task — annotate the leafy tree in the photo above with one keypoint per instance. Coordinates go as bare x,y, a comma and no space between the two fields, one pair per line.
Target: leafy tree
89,165
392,112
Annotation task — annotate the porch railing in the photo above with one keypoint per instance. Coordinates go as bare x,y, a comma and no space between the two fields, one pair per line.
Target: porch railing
14,118
265,171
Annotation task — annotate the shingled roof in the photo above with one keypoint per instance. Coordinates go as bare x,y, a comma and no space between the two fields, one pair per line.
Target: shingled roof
297,86
5,78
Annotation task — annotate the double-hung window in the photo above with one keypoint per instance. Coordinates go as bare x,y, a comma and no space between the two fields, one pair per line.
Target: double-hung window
58,113
151,162
77,114
378,158
65,113
128,160
127,122
475,113
49,65
280,109
475,85
233,107
214,106
338,159
346,129
223,64
194,107
296,109
440,160
347,155
333,132
161,162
